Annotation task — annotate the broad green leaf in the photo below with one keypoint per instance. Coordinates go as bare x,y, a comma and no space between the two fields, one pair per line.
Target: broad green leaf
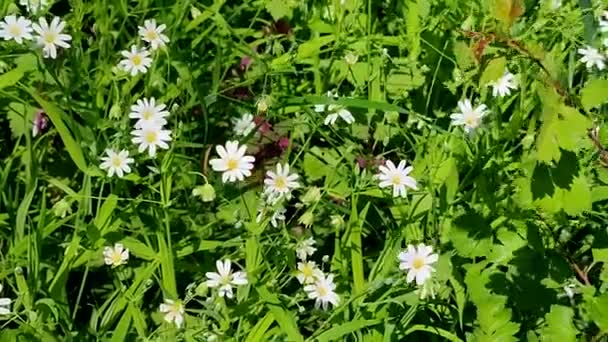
258,331
506,11
24,63
493,71
280,8
312,47
464,55
18,115
597,308
594,94
578,199
558,325
105,213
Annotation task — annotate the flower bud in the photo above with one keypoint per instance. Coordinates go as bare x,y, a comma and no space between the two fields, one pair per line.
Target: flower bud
205,192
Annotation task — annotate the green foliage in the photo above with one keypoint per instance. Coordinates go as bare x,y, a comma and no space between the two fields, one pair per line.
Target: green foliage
514,208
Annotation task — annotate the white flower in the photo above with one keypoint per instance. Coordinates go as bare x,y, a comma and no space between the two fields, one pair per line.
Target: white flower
233,162
136,61
277,215
225,279
116,256
308,272
153,34
397,177
51,36
502,86
17,28
592,57
244,125
468,117
147,112
305,248
338,111
174,312
280,184
417,261
116,162
351,58
34,6
334,111
5,304
322,291
151,136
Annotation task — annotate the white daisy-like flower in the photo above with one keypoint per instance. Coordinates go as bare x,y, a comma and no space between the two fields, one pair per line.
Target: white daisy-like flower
243,125
16,28
50,36
233,162
338,111
148,112
323,292
417,261
116,256
397,177
306,248
468,116
136,61
150,137
34,6
592,57
308,272
503,86
174,311
153,34
5,304
279,184
334,111
224,279
116,163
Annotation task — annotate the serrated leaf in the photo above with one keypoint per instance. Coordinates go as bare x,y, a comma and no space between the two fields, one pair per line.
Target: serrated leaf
18,115
464,55
594,94
597,308
493,71
280,8
559,326
139,249
578,199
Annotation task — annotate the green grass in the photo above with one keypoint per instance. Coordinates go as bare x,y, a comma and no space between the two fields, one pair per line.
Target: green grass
515,210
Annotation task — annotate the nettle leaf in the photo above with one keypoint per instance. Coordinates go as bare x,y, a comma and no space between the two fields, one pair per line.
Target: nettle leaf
559,326
509,243
594,94
507,11
471,236
578,199
464,55
495,69
18,115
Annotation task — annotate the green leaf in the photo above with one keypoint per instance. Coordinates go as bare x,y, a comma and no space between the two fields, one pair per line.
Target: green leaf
280,8
594,94
493,71
412,28
464,55
258,331
24,63
18,115
55,114
597,307
559,326
578,199
312,47
139,249
336,333
314,169
286,319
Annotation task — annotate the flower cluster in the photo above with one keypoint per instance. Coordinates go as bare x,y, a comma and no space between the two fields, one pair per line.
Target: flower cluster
317,285
138,60
48,36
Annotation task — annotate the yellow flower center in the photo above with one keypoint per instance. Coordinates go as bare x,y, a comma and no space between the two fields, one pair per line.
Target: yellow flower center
232,164
418,263
14,30
322,290
280,183
50,37
151,35
116,161
147,114
150,137
470,121
396,180
116,258
136,60
307,271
